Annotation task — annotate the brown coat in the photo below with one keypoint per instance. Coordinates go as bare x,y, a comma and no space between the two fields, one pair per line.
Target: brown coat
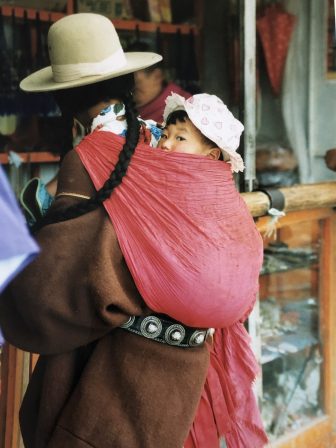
95,385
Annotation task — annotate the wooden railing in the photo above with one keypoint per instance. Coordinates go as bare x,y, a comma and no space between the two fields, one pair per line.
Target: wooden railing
300,197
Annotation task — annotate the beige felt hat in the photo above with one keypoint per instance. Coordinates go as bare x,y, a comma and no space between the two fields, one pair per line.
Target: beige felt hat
83,49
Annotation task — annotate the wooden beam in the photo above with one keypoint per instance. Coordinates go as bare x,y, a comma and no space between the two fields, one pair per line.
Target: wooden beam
300,197
316,435
120,24
151,27
295,218
32,157
19,12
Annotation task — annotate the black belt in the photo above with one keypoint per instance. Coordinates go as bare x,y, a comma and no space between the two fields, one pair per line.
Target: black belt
161,329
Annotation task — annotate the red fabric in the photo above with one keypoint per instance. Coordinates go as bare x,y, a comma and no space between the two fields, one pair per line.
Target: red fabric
275,28
154,109
228,407
195,254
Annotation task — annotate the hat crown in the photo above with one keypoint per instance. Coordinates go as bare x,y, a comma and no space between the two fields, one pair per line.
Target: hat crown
84,48
82,38
83,45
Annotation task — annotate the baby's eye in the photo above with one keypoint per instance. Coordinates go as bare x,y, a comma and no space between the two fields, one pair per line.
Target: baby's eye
180,139
164,136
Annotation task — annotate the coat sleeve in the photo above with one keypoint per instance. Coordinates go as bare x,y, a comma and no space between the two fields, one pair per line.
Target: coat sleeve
79,287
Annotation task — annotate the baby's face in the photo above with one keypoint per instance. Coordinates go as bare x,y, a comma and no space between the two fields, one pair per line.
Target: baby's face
184,137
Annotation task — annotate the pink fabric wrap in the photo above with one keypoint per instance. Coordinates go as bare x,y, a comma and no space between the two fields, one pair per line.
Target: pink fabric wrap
195,254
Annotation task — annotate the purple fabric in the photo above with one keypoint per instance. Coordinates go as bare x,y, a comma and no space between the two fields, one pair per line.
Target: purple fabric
15,239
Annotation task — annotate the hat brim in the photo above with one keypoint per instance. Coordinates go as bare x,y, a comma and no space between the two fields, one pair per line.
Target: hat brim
42,80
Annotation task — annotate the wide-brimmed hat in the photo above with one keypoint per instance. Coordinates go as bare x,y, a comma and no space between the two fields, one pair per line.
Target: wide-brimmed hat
83,49
212,117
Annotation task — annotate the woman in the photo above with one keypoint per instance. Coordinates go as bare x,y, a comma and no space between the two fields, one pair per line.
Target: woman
124,354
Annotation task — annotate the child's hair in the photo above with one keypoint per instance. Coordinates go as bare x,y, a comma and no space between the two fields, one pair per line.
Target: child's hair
182,116
80,98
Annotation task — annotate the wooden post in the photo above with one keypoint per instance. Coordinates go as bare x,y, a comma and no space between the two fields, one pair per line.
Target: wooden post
328,316
15,373
10,356
249,48
70,7
3,392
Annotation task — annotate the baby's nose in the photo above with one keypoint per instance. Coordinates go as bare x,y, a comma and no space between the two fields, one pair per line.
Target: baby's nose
166,145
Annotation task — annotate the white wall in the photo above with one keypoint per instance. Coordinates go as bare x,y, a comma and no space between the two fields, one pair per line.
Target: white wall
322,111
308,97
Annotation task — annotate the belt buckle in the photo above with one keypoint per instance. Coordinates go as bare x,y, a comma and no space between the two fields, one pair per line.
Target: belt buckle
175,334
128,323
197,338
151,327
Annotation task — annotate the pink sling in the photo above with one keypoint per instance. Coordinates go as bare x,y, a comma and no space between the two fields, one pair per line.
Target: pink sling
195,254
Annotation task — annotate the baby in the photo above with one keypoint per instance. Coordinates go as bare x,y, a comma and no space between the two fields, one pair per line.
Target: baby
201,125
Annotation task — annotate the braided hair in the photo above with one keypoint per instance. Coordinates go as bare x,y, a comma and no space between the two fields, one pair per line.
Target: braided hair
78,99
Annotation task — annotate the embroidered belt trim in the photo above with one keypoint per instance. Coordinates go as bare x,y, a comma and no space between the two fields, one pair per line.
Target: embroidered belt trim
161,329
75,195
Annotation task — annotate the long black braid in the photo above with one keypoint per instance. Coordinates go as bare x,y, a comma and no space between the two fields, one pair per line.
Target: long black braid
83,207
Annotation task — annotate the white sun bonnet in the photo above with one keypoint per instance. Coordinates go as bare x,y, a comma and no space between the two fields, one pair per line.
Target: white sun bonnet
211,116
